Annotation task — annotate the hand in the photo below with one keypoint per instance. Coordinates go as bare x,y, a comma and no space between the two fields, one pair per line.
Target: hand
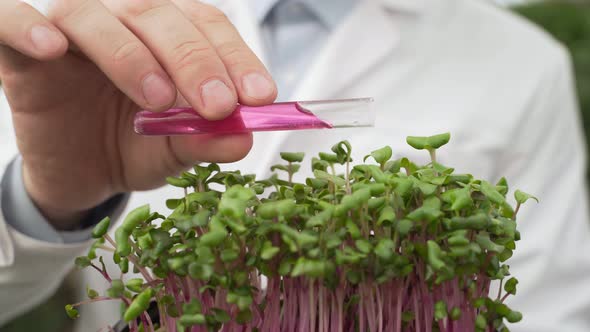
75,79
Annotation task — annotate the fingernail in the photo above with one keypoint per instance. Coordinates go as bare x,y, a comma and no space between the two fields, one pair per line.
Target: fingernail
257,86
45,39
157,91
217,97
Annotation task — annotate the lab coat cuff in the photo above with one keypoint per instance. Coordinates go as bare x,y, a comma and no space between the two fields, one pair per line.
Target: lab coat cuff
23,216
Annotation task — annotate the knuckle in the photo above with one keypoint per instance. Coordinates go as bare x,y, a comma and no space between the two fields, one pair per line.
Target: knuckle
205,13
234,53
215,16
65,9
137,8
128,50
191,52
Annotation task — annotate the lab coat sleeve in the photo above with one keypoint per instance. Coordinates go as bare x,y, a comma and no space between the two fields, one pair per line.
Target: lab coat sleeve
30,269
547,158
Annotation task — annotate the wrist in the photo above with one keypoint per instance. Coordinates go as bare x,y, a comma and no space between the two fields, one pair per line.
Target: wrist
52,210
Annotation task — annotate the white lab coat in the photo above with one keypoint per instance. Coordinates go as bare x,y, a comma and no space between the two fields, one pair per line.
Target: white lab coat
501,87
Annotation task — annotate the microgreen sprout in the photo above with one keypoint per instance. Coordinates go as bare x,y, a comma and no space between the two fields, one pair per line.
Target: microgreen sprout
390,246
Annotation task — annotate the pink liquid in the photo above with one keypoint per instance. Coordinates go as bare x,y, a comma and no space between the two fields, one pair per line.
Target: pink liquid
185,121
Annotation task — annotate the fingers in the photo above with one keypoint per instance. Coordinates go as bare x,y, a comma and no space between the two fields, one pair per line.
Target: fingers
253,82
189,150
149,49
184,51
124,58
27,31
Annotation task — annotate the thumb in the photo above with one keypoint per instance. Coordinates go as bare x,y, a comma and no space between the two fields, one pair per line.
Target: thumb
29,32
189,150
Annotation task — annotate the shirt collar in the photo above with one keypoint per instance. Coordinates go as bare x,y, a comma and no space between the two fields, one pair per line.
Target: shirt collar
409,6
330,12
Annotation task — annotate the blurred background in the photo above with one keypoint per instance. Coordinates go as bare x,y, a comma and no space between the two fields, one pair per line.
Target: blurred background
569,22
566,20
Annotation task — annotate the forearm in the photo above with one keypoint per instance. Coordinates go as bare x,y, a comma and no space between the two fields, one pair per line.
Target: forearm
35,256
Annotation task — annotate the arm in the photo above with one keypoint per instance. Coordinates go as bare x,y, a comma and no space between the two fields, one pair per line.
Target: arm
34,256
548,160
123,62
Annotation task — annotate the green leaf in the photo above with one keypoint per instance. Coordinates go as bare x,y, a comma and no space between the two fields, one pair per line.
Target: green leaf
417,142
480,322
514,317
292,157
440,310
428,143
229,255
363,246
458,238
268,251
187,320
387,214
140,304
201,219
193,307
178,182
174,203
342,150
82,262
220,315
328,157
384,249
483,239
213,238
462,199
522,197
442,169
285,267
381,156
409,166
407,316
244,316
429,211
135,285
279,167
101,228
510,286
353,229
402,186
117,288
72,312
491,193
376,203
505,255
124,265
134,218
338,181
435,259
404,227
439,140
91,293
477,221
205,198
426,188
145,241
200,271
354,277
271,210
502,186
